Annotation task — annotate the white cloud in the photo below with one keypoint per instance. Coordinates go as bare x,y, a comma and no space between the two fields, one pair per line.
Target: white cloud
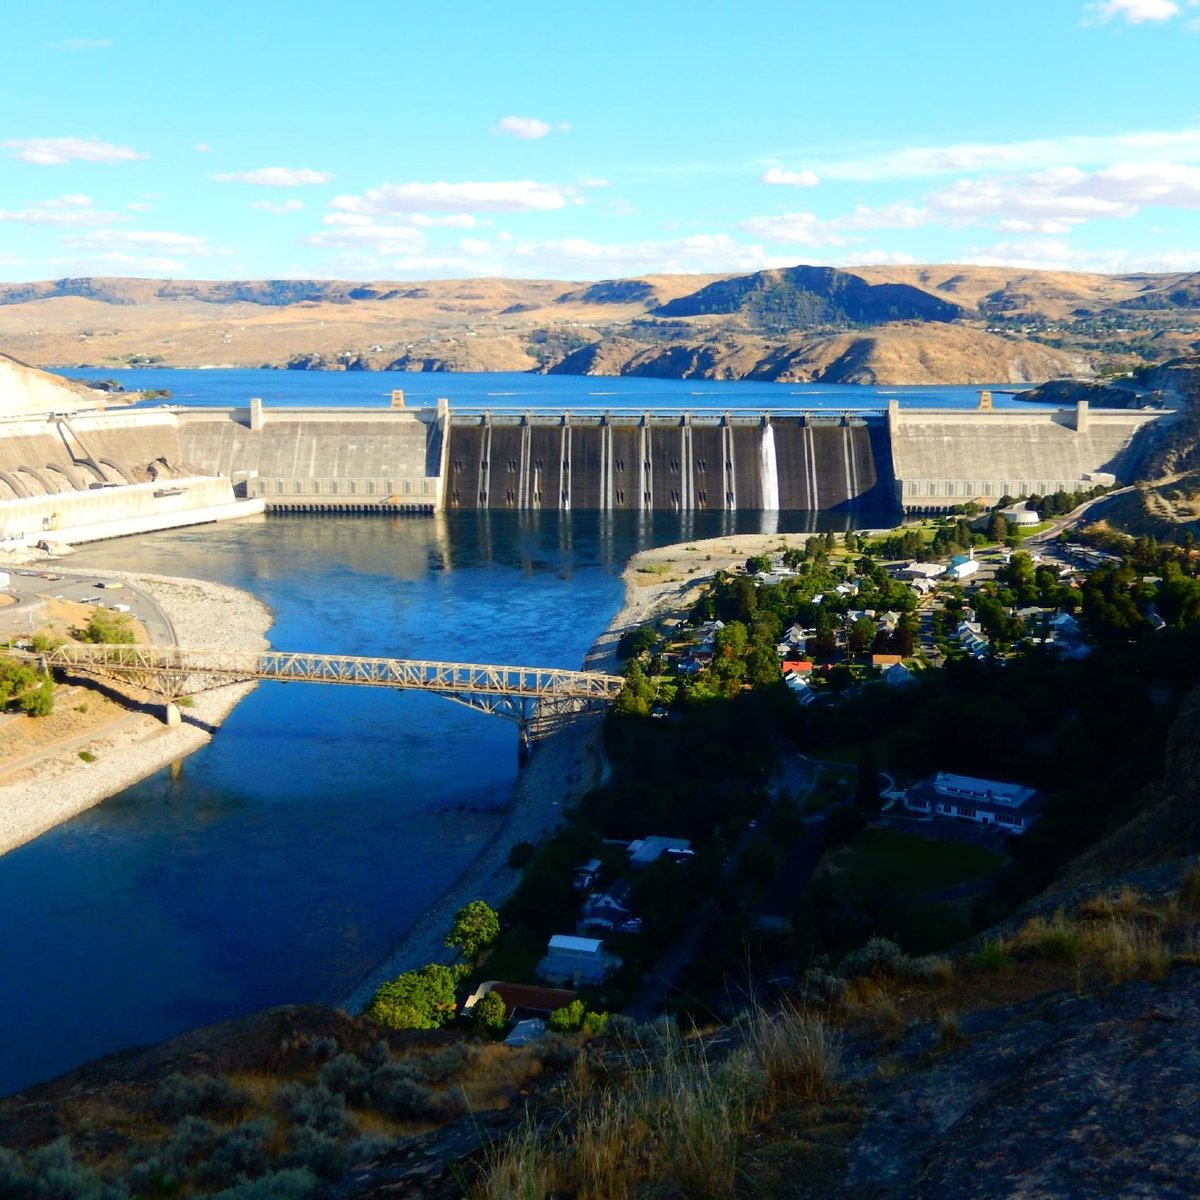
1135,12
520,195
140,206
270,206
117,263
1051,254
1015,225
526,128
72,211
202,147
275,177
445,220
580,257
80,44
801,228
914,162
1067,195
55,151
594,183
791,178
131,239
807,229
351,231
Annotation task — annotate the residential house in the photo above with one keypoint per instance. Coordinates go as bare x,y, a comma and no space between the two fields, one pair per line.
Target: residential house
644,851
1009,806
898,675
585,876
521,1000
611,911
800,687
576,960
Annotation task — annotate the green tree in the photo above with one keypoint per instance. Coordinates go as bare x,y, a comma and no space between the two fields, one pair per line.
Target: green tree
476,926
490,1011
421,999
568,1019
111,628
39,702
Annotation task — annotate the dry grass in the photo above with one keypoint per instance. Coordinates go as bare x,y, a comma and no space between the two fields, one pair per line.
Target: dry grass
674,1123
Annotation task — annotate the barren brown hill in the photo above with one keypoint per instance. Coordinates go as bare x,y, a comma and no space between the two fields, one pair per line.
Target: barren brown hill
792,324
891,354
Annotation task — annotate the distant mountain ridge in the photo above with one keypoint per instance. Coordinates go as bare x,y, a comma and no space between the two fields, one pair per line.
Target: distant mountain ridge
906,324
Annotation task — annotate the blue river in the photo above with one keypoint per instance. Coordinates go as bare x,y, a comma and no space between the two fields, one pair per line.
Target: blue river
282,862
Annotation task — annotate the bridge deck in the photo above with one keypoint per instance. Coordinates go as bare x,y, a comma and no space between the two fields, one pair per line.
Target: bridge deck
455,679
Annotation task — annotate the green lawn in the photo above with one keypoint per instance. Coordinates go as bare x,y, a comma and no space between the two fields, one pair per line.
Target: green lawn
908,865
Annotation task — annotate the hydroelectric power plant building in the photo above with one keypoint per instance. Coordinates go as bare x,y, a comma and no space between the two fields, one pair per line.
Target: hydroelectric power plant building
72,470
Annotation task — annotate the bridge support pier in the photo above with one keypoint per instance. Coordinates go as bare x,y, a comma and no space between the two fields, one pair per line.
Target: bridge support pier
171,715
524,741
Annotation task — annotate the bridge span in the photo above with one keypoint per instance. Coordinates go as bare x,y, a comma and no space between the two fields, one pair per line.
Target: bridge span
522,694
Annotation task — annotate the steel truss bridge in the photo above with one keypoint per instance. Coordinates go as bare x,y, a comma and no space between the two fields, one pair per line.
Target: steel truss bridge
523,694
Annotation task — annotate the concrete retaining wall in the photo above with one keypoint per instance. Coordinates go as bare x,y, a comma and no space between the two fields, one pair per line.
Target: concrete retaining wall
156,505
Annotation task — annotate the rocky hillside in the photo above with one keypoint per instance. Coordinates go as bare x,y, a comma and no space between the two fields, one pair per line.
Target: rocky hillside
889,354
780,323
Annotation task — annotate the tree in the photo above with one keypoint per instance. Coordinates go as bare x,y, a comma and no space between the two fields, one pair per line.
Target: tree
476,926
490,1011
39,702
421,999
568,1019
112,628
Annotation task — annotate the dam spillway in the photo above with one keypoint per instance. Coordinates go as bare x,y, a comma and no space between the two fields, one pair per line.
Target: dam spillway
655,461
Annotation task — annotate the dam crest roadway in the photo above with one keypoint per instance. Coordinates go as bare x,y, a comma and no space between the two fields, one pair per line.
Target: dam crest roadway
528,695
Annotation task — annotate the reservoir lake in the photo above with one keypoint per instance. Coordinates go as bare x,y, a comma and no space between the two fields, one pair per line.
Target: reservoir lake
283,861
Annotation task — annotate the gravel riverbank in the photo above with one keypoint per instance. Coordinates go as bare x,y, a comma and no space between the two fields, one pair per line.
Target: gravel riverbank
567,763
38,796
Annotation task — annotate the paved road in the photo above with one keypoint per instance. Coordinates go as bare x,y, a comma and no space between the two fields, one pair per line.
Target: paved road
33,588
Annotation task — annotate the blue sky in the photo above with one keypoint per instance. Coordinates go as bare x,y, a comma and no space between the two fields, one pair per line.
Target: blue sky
413,139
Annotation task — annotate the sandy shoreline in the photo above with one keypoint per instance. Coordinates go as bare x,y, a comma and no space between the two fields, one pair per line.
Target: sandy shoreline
566,764
37,798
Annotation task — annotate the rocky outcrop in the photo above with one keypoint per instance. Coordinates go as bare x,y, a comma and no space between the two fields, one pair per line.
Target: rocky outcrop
1068,1097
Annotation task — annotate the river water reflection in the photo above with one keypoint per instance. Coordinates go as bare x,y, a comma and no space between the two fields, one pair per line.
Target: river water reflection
284,860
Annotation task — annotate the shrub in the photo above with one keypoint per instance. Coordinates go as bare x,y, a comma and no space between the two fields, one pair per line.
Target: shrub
178,1096
991,956
346,1076
447,1063
879,958
317,1107
240,1153
823,987
294,1183
53,1173
323,1155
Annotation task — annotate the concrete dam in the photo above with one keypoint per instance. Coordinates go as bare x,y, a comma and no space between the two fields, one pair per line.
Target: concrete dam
85,473
427,460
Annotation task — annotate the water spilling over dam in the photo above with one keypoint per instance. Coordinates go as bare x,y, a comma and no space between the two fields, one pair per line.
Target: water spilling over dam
665,462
